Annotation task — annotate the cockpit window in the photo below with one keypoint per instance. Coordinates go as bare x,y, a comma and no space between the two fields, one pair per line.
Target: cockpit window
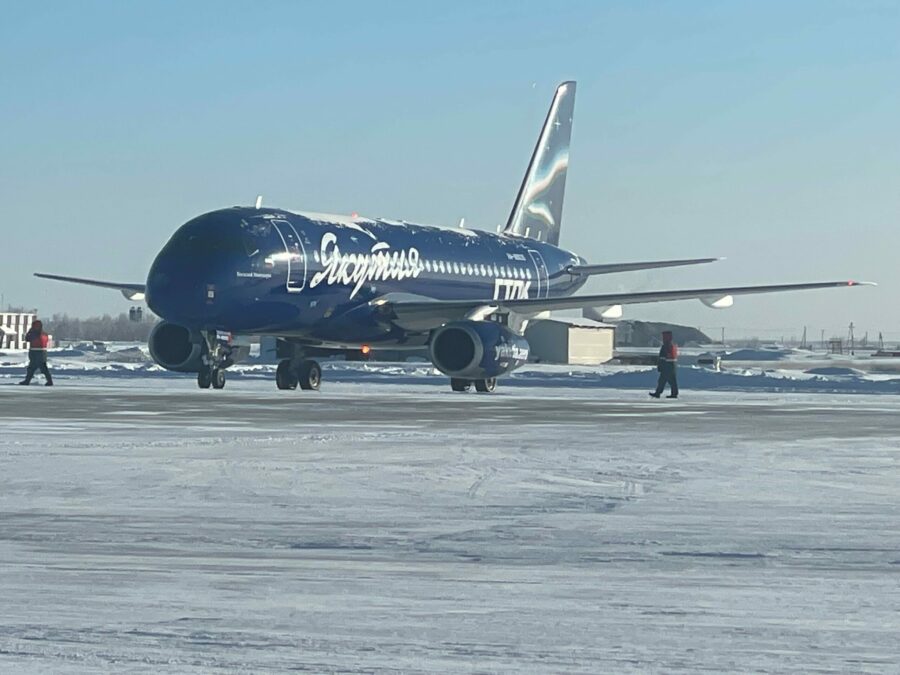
250,247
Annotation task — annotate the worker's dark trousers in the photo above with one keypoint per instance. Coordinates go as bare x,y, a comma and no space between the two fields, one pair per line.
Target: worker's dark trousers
37,360
667,376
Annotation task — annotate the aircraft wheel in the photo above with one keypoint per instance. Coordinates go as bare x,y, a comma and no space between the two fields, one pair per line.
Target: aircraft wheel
204,378
458,384
310,375
285,378
218,378
487,385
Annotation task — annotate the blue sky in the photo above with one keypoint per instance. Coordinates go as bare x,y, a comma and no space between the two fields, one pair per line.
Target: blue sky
765,132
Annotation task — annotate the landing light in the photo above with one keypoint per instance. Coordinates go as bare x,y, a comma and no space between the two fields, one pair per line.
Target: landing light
365,349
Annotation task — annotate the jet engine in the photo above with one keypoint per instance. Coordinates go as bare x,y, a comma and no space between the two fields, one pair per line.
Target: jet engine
477,350
175,348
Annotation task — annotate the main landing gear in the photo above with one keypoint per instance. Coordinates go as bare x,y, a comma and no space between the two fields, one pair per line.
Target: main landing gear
484,386
306,373
294,369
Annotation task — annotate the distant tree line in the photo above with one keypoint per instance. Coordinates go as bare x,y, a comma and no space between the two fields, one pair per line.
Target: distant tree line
104,328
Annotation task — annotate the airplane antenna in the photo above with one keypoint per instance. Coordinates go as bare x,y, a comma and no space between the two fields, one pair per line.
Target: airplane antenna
258,201
462,222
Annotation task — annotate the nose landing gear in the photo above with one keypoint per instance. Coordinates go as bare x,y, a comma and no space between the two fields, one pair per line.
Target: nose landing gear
216,359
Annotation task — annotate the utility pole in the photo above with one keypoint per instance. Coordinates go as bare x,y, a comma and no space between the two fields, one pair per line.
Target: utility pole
823,338
723,336
852,353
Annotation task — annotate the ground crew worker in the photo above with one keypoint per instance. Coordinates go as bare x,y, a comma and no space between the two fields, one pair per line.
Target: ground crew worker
37,341
668,356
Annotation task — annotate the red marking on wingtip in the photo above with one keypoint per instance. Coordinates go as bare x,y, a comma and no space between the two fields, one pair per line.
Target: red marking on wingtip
851,283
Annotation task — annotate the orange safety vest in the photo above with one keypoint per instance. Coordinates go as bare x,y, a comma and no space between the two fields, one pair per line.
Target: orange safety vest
39,343
669,352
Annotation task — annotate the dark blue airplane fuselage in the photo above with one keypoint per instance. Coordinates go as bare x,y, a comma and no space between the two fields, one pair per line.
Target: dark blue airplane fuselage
319,278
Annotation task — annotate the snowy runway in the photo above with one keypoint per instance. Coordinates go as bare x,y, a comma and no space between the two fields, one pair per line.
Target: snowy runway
150,526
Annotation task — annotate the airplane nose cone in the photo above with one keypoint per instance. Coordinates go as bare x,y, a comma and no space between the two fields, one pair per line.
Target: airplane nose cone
165,296
179,293
192,280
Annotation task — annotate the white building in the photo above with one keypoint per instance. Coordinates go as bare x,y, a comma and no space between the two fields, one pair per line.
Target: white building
13,326
571,340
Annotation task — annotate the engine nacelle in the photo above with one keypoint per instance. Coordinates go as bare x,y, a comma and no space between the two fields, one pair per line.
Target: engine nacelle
178,348
175,348
477,350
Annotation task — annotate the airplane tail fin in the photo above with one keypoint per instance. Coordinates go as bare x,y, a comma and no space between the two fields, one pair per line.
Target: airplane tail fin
537,212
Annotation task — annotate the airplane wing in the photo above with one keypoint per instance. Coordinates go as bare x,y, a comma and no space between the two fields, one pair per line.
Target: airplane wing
131,292
419,315
584,270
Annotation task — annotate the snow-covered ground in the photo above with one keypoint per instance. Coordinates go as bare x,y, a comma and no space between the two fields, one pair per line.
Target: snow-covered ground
560,525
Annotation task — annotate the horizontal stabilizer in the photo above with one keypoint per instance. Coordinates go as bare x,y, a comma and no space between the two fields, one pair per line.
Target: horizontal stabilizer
131,292
612,268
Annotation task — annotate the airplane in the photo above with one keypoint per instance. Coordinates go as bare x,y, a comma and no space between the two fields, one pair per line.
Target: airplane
324,283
